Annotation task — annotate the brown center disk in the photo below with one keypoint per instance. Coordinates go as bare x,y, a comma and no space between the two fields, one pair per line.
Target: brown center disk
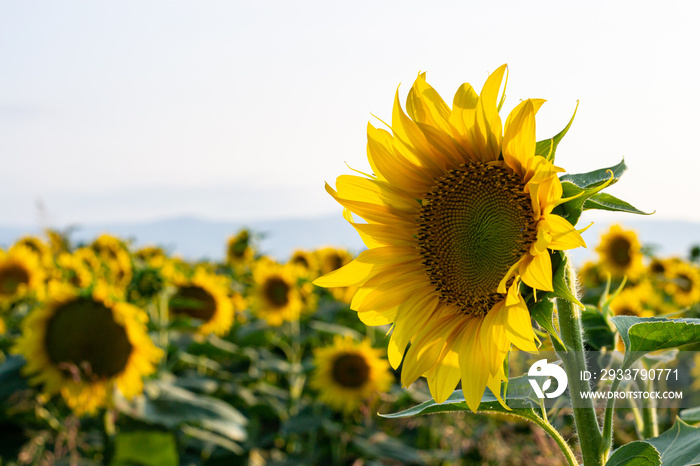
276,291
350,370
477,222
11,277
82,334
193,301
620,252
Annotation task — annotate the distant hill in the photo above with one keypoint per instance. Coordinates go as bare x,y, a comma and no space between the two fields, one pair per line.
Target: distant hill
195,238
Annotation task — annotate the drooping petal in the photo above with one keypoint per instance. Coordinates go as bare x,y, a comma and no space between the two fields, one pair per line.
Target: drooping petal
473,364
536,272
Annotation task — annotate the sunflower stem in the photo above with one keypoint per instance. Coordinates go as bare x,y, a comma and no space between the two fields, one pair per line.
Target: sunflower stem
574,358
651,422
609,418
557,437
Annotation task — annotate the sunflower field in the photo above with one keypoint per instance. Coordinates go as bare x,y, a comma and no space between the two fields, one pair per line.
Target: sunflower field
113,354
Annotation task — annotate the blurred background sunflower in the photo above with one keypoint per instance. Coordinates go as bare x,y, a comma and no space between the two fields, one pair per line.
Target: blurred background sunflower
82,345
348,374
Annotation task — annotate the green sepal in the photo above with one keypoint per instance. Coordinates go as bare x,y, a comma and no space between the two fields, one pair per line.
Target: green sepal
578,188
543,312
642,335
596,177
559,280
637,453
605,201
548,147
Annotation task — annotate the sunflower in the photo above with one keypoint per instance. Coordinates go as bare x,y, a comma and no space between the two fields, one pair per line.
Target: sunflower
38,247
458,215
620,253
632,302
276,298
74,270
683,283
349,374
116,261
204,297
20,274
83,344
305,260
239,249
153,256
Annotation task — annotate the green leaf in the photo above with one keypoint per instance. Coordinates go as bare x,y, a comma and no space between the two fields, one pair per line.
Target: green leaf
148,448
548,147
679,445
596,177
635,454
520,396
691,415
11,379
596,330
169,406
642,335
605,201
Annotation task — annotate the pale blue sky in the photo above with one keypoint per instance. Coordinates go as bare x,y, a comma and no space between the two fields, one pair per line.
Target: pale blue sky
137,110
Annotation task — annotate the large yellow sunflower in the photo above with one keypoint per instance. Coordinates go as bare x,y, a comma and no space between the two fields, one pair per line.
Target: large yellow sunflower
458,213
276,296
348,373
21,273
82,345
620,253
204,297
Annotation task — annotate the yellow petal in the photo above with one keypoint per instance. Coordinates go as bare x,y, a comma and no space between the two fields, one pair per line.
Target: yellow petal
426,348
444,377
519,138
475,372
487,129
564,235
425,105
537,272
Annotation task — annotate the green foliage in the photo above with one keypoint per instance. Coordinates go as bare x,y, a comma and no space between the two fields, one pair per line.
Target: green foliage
149,448
679,445
169,406
581,192
635,454
642,335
